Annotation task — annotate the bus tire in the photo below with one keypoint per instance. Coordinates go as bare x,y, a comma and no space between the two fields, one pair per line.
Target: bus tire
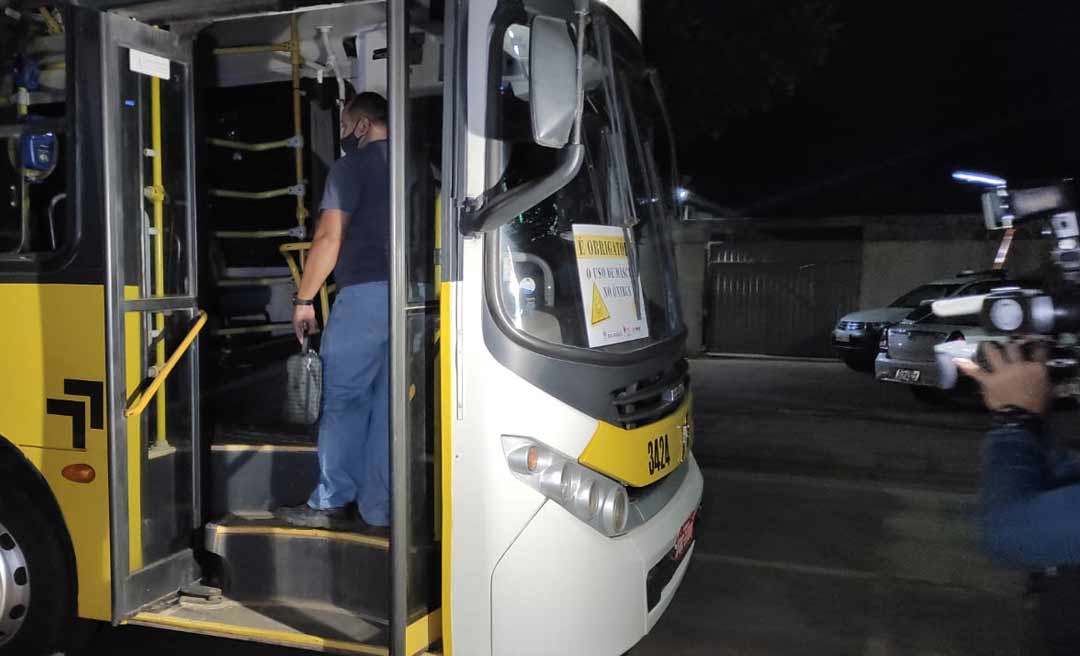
38,593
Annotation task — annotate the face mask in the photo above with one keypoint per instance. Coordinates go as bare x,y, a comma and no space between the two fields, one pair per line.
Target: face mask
350,143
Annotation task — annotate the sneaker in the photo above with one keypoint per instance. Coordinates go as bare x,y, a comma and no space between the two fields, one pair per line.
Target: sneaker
305,516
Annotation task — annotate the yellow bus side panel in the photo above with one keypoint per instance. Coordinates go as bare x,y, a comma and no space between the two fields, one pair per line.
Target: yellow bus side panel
643,455
54,333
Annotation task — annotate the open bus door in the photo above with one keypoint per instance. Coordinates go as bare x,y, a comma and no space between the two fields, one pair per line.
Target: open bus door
415,541
153,321
152,316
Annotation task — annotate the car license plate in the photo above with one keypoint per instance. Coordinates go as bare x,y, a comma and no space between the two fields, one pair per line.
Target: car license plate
685,538
843,337
907,375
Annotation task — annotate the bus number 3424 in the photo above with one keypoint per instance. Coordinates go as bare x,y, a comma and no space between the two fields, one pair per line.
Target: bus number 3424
659,454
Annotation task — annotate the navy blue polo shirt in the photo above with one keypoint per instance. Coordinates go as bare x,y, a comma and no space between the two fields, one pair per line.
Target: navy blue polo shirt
359,185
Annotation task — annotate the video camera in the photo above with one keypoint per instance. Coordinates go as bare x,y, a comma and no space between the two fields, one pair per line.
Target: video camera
1050,315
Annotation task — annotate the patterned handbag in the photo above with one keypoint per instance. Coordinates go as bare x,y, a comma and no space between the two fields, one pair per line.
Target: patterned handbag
303,394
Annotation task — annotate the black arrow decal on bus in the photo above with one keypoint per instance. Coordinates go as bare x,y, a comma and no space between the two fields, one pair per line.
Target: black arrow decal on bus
95,393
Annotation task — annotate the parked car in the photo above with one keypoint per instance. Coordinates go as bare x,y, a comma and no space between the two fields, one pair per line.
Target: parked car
907,354
857,336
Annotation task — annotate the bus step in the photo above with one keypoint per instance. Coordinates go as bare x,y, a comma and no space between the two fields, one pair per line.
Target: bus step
248,476
320,627
263,559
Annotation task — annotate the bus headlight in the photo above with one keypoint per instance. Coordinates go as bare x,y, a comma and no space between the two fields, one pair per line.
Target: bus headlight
591,497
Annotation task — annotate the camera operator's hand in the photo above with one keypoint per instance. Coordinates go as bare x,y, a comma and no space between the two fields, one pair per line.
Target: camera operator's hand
1012,380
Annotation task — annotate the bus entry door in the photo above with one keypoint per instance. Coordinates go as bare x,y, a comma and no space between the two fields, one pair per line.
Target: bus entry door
153,319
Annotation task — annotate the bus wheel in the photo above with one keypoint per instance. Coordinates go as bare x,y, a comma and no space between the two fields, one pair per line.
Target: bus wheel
37,589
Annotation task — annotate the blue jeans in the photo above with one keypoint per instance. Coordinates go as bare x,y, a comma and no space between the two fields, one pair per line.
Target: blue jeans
354,430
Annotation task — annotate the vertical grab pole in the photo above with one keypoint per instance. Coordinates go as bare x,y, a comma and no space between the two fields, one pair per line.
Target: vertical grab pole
22,110
324,303
157,195
298,153
398,78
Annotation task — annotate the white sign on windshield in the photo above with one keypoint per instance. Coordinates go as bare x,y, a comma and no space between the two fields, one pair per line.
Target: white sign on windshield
607,287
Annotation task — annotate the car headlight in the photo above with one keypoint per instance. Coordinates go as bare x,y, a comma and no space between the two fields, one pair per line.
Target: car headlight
593,498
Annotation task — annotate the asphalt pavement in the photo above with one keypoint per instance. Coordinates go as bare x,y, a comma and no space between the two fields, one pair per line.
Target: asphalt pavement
837,519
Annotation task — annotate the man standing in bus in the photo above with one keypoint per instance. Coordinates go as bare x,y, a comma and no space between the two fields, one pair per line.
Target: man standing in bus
352,241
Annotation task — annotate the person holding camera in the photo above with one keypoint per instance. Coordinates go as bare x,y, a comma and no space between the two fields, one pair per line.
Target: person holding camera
1030,493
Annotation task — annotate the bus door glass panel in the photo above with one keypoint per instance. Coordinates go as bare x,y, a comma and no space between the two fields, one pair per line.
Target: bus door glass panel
156,249
424,119
154,161
148,135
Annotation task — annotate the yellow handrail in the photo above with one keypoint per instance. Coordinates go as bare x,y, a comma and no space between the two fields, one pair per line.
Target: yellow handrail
254,234
255,281
158,198
249,50
254,195
298,128
139,403
295,246
51,23
301,247
254,147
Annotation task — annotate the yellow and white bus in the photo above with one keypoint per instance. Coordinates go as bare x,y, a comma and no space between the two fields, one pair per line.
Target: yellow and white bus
159,162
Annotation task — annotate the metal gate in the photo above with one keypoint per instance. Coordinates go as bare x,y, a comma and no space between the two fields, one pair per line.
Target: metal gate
779,297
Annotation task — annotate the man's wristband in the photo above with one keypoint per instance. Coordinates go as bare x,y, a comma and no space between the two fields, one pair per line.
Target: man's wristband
1012,416
296,300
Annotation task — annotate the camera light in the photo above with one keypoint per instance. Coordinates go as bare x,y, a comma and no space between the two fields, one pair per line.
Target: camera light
975,177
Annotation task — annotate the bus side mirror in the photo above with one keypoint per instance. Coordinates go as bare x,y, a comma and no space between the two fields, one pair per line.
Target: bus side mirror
552,81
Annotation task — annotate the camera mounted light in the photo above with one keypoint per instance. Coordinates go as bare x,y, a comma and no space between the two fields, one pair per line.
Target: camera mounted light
975,177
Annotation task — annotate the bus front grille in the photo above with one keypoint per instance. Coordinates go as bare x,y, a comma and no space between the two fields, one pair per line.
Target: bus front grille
652,399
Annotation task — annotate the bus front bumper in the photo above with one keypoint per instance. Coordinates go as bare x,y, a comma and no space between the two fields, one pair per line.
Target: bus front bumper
563,588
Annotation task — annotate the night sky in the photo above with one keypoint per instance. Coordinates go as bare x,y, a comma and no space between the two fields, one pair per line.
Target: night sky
811,107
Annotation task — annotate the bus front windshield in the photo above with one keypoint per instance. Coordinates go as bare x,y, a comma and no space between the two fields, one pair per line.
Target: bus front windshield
593,265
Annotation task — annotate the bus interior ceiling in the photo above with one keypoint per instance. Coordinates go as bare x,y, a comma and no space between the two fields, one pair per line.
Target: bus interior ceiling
268,90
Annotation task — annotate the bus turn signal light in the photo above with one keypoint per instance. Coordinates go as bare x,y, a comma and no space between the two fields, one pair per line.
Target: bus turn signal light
79,473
